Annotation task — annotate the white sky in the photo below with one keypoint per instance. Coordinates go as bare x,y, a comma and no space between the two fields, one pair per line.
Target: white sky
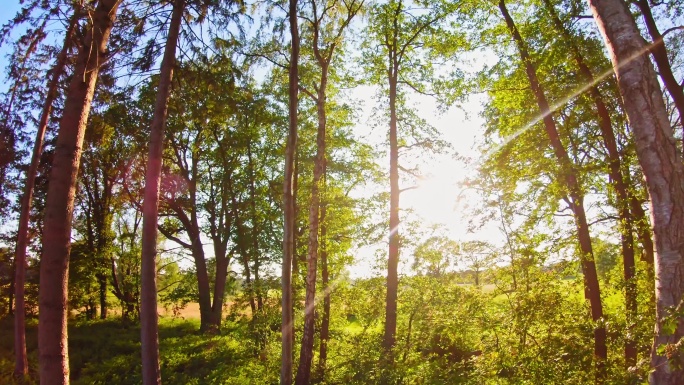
437,198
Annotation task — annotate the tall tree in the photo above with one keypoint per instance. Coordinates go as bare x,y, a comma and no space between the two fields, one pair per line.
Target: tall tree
327,28
289,202
664,174
21,363
574,190
615,173
52,338
148,306
407,39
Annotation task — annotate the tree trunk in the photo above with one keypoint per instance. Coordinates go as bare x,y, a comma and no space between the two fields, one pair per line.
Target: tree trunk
54,266
10,298
569,179
149,335
325,279
393,257
244,252
643,229
662,167
203,286
103,295
618,183
219,290
288,204
255,229
659,52
21,361
306,352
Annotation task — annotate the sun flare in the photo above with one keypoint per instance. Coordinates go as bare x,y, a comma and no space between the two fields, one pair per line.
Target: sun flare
435,197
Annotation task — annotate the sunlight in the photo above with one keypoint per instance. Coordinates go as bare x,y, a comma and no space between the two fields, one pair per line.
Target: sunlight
434,198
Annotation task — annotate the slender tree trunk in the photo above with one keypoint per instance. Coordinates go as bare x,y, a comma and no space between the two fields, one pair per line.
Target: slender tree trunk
662,167
21,361
244,252
325,279
643,229
10,298
203,286
54,266
255,229
659,52
306,352
149,335
289,204
393,258
103,295
569,179
248,281
295,253
619,186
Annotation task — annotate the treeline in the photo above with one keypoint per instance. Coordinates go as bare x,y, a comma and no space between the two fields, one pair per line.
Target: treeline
210,151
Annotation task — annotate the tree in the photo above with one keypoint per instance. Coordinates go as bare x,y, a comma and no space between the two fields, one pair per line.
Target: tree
434,256
148,306
402,46
289,202
327,29
21,362
664,173
574,190
626,223
478,257
52,339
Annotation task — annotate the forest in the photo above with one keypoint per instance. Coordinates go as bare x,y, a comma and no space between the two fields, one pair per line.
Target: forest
342,192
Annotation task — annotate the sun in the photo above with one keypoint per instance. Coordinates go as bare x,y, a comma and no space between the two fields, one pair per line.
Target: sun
435,197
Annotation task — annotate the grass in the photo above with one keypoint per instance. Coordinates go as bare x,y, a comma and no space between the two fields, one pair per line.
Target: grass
108,352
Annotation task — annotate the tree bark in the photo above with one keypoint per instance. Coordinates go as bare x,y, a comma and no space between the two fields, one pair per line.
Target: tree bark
149,335
289,203
21,361
325,279
54,266
569,179
662,167
659,52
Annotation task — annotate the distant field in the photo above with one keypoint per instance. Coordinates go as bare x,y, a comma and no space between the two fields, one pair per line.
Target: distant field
191,311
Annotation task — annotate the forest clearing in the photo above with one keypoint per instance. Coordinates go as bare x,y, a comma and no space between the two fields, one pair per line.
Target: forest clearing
301,192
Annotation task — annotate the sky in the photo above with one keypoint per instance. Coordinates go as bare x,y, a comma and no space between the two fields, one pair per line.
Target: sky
8,10
435,199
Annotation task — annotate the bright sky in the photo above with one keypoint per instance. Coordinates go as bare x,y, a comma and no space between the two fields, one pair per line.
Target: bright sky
436,198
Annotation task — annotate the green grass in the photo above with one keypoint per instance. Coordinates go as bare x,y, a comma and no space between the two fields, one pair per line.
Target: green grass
108,352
